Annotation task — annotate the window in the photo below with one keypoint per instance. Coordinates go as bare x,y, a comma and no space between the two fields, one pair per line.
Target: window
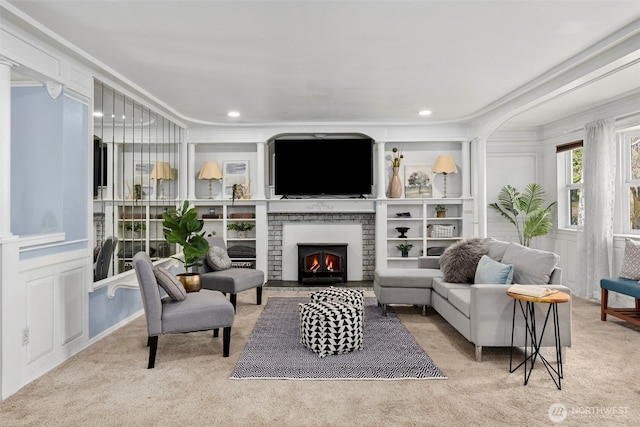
631,156
570,156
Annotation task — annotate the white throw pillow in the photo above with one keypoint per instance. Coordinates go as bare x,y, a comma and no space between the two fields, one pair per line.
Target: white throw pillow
218,259
530,266
631,261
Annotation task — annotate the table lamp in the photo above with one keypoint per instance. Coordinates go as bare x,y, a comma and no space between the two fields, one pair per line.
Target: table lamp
210,171
161,170
445,165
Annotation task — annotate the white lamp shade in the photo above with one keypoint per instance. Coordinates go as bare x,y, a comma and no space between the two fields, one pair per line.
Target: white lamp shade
445,164
210,170
162,170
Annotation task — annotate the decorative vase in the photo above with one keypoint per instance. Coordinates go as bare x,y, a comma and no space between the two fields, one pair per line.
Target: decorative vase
395,188
405,254
441,214
190,281
242,234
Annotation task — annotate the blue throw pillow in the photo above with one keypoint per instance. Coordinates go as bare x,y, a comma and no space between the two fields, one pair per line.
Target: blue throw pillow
493,272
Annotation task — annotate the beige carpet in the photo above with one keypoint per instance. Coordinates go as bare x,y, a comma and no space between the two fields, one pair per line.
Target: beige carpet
108,385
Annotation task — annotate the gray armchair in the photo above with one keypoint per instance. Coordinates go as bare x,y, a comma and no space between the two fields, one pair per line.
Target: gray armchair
200,311
232,280
103,260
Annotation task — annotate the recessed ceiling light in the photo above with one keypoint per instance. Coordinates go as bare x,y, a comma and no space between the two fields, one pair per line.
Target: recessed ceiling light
233,114
424,112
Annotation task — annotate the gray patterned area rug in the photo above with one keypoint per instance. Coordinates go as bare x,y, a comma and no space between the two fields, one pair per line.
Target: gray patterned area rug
274,350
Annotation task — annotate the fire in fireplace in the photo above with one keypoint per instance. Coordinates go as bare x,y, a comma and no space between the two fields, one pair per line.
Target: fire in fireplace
322,263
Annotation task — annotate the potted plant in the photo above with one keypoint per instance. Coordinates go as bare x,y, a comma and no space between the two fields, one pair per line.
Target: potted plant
241,228
526,211
404,248
441,211
134,228
183,227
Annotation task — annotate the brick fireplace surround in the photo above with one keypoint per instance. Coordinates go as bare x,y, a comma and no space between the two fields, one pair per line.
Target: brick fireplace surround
277,221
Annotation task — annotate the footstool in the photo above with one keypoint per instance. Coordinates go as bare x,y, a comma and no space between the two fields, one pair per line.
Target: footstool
348,296
331,327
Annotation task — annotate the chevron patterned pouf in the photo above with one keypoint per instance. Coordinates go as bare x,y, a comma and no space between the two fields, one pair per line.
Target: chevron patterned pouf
331,327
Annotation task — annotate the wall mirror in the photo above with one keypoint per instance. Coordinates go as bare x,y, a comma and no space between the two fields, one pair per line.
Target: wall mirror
136,157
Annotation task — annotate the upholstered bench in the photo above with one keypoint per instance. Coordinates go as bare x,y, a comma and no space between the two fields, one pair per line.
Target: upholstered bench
331,327
622,286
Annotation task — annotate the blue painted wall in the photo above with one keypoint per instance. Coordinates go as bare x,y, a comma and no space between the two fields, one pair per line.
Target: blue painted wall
49,167
105,312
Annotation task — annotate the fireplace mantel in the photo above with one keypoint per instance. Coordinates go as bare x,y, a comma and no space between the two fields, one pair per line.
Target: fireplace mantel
321,205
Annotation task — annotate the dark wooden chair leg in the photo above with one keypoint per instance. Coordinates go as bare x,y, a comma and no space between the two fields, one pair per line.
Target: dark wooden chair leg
153,347
226,340
637,303
233,299
604,301
216,332
259,296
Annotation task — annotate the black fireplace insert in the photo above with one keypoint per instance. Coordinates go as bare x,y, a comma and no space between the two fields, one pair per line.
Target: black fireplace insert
322,263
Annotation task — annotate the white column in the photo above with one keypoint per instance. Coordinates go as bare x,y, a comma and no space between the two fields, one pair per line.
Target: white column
382,188
190,176
258,187
466,169
5,147
480,185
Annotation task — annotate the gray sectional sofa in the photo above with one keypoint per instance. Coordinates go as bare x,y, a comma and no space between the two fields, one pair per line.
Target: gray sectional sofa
481,312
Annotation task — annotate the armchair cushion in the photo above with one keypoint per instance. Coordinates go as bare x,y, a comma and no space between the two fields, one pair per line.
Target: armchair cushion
218,259
170,284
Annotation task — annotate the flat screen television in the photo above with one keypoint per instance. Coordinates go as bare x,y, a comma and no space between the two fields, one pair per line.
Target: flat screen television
323,167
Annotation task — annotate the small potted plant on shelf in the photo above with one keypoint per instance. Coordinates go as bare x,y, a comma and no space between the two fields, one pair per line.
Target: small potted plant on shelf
134,228
441,211
241,228
183,227
404,249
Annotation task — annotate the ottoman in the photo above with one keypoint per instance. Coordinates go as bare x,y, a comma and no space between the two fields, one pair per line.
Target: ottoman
331,327
348,296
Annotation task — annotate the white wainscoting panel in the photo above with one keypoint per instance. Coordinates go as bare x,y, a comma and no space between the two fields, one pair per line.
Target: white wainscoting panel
40,320
71,298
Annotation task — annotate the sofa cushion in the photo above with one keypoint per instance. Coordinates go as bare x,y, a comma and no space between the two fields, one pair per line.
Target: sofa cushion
458,263
461,299
530,266
493,272
631,262
405,277
442,288
496,248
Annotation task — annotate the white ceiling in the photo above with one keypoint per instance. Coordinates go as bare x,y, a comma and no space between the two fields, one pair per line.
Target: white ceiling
345,61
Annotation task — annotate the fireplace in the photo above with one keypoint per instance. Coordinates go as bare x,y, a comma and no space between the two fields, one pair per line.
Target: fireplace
322,263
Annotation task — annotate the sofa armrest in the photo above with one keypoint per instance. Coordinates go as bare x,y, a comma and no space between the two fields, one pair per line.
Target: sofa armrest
491,312
428,262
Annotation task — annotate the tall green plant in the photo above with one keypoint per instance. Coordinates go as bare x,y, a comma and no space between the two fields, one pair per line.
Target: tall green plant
183,227
526,211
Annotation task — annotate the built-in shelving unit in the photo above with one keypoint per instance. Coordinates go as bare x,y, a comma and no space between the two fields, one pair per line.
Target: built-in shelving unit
427,232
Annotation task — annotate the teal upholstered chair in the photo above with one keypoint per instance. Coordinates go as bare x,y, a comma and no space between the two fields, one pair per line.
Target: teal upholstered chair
199,311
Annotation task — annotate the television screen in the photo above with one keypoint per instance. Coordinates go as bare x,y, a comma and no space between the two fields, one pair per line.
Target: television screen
323,167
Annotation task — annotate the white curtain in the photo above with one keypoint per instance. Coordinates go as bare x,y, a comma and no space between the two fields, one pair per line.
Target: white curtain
595,217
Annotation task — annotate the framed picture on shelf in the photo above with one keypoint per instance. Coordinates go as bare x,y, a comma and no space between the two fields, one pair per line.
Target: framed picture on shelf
235,172
418,181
